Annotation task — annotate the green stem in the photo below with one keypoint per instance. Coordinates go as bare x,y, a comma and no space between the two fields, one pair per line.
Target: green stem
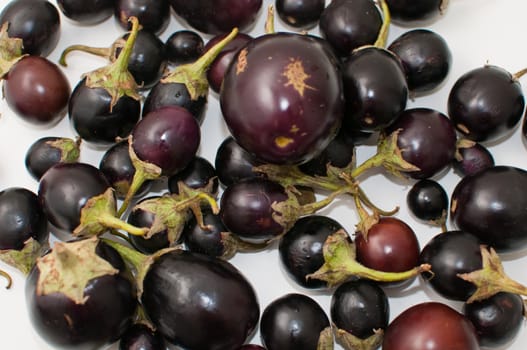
126,52
97,51
269,22
375,161
311,208
137,181
7,277
383,32
193,75
113,222
130,255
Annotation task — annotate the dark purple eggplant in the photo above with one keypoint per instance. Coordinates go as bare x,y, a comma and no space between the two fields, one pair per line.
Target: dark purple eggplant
36,22
217,16
489,205
153,15
80,295
282,97
48,151
87,12
295,321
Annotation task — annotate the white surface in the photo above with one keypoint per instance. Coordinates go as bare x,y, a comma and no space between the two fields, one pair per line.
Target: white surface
477,31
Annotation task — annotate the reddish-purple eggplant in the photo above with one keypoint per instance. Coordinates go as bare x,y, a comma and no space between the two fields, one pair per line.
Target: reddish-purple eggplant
80,295
295,321
217,16
489,205
486,103
349,24
35,22
48,151
430,325
282,97
35,88
163,143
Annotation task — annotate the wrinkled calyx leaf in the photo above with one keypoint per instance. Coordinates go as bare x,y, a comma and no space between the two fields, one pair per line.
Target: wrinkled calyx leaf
69,268
10,50
115,78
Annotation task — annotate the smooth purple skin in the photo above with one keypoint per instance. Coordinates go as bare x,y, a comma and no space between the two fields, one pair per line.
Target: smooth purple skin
300,14
168,137
153,15
486,103
292,321
489,205
246,209
64,190
282,97
427,139
108,312
233,163
408,11
375,89
473,160
219,66
426,59
349,24
219,16
87,12
204,302
497,320
22,217
36,22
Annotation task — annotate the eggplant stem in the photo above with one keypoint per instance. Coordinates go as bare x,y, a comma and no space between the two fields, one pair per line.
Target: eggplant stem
8,278
519,74
97,51
116,223
383,32
269,22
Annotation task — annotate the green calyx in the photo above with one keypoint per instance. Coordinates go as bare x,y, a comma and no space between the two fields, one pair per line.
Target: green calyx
194,75
69,149
69,267
350,342
340,264
115,78
171,212
10,50
24,259
99,214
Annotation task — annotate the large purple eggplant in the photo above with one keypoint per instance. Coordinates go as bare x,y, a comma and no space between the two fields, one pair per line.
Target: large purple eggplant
217,16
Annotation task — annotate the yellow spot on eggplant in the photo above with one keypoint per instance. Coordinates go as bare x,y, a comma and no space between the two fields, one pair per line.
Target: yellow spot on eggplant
283,141
242,62
295,129
297,76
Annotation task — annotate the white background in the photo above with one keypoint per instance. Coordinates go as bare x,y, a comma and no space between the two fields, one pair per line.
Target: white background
477,31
